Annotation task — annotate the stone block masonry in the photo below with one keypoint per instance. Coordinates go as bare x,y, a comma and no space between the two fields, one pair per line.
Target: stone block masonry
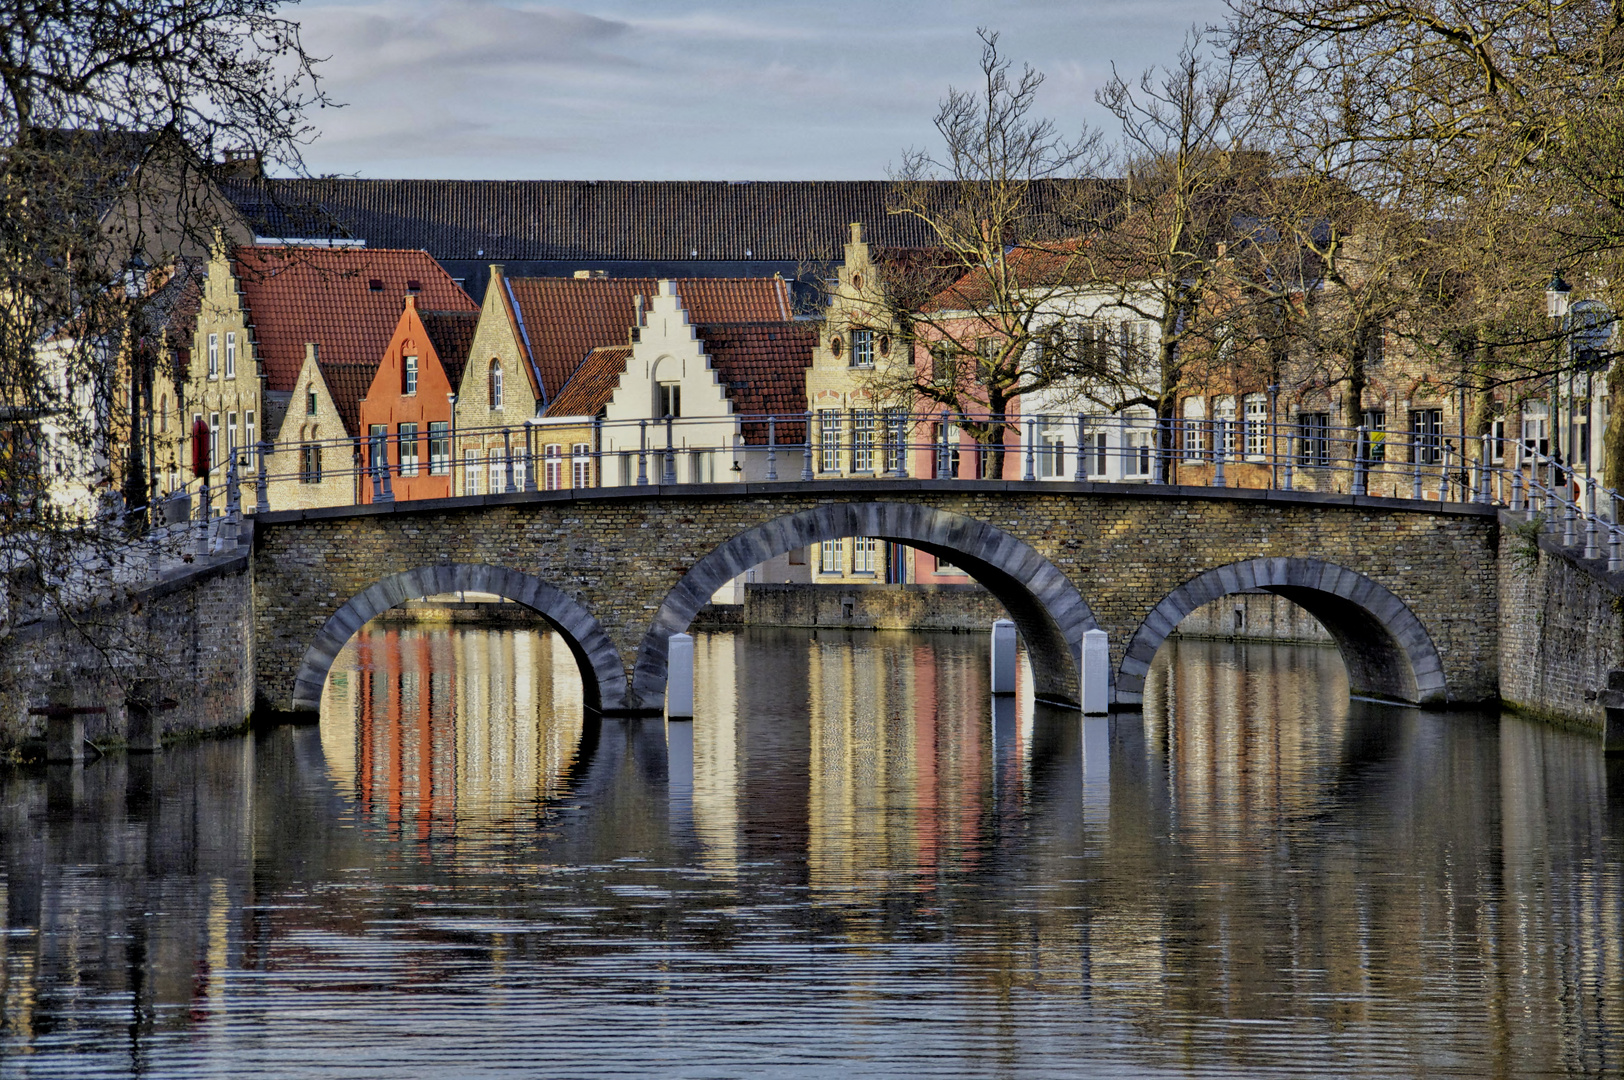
629,567
191,633
872,607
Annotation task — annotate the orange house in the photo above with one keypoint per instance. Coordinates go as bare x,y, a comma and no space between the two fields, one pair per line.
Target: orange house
406,415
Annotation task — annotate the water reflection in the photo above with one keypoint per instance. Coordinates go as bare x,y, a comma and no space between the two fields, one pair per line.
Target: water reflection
851,859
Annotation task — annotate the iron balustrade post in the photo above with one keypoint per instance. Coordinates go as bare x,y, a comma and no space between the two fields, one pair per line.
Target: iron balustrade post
507,461
530,459
806,460
1615,550
772,449
1592,526
642,453
903,432
1443,471
1415,468
1570,521
1164,442
1031,430
1517,492
1218,454
1361,478
1081,472
596,480
262,481
1286,469
669,475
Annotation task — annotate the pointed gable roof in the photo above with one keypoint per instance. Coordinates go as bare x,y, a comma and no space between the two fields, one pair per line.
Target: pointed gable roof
348,384
762,369
564,319
452,335
346,300
593,383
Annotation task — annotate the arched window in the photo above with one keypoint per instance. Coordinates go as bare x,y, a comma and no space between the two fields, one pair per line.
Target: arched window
495,388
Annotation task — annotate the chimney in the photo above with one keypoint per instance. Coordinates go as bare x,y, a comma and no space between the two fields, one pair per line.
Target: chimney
310,352
591,275
411,302
857,232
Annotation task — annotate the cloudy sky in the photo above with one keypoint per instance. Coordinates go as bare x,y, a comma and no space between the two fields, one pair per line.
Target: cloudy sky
672,89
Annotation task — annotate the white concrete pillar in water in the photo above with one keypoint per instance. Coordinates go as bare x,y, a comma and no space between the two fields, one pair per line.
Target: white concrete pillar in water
1097,769
1003,657
1096,673
679,679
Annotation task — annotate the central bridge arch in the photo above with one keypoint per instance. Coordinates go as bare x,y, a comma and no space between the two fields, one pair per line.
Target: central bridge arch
1384,646
1046,607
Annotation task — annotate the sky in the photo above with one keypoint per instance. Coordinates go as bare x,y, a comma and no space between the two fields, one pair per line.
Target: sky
673,90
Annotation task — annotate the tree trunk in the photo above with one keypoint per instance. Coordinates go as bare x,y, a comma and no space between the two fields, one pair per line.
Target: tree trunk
1613,440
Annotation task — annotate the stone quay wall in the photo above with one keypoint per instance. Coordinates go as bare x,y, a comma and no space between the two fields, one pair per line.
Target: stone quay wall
872,607
191,632
1561,630
637,560
1254,616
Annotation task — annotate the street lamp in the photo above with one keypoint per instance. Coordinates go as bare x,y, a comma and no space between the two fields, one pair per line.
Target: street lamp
1556,309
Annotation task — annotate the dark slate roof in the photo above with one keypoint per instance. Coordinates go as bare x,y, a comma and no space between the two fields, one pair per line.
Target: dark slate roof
452,335
762,369
593,383
589,220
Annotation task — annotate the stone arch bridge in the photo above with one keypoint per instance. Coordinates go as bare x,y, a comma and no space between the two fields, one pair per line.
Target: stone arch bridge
1407,589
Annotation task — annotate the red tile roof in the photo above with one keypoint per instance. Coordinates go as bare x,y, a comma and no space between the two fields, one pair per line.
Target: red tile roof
566,318
762,369
593,383
326,295
348,383
452,335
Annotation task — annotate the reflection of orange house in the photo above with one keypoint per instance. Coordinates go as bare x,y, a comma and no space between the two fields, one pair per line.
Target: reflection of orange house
407,411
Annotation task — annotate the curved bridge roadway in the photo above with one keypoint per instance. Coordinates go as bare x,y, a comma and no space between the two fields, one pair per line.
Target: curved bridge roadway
1407,589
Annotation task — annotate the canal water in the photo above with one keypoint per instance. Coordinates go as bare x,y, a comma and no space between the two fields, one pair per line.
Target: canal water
851,863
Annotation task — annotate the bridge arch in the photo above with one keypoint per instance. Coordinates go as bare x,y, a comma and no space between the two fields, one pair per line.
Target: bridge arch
603,676
1385,647
1045,606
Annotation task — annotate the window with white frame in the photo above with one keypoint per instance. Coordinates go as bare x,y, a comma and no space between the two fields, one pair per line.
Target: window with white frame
377,449
862,440
864,554
628,468
862,348
831,557
493,384
945,450
495,463
1257,425
1426,436
248,438
1536,428
310,402
896,427
1051,448
408,375
581,465
829,440
1497,441
439,447
670,396
701,467
471,472
1139,448
214,440
231,433
1096,451
1313,439
231,354
1375,422
214,356
1224,413
310,463
408,449
1195,429
553,471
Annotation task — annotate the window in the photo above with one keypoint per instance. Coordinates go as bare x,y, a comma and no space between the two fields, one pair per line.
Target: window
214,440
829,440
470,472
1375,422
862,440
628,468
896,424
231,433
377,449
553,469
1051,448
214,356
862,348
864,554
1224,413
1095,452
498,474
945,454
1426,436
310,402
520,472
439,447
408,375
1536,428
945,567
231,354
493,388
670,399
310,464
830,556
248,434
701,467
408,449
1497,441
1257,425
1313,448
1195,435
581,462
1375,346
197,418
1137,458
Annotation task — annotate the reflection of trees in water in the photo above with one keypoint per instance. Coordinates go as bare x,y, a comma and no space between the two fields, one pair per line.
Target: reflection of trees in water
431,728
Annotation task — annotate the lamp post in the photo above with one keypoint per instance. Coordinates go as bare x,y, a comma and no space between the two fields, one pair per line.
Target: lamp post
1556,309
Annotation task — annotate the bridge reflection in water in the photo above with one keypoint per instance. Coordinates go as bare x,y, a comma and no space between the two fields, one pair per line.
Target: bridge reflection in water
848,844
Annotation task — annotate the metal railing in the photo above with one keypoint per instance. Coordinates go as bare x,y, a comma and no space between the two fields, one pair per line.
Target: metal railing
1422,465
